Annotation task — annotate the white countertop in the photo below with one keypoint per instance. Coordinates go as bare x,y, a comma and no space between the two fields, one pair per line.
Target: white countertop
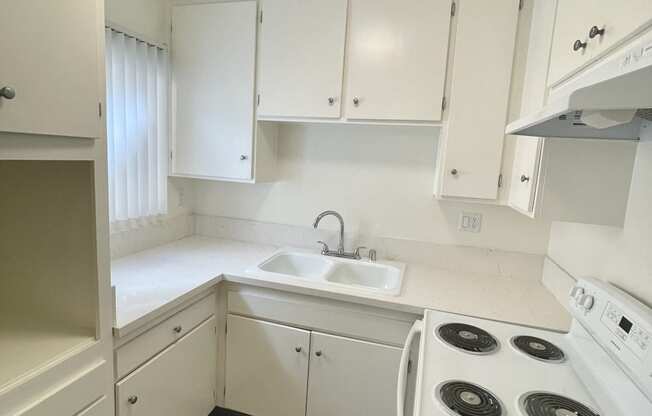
153,281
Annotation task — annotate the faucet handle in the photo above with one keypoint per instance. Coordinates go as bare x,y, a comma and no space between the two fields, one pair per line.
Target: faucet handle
372,255
324,248
356,253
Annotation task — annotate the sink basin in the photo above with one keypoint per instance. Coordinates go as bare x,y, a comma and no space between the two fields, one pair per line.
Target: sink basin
381,277
369,275
297,264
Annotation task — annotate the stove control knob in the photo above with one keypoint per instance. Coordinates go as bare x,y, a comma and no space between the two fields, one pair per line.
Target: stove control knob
587,302
577,293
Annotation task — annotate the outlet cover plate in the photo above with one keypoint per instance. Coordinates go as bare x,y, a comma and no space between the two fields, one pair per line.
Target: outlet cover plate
470,222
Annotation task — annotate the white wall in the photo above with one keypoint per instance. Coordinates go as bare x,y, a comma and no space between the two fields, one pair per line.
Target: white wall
148,18
379,178
622,256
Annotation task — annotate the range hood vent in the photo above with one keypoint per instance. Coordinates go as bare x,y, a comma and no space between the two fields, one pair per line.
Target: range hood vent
611,101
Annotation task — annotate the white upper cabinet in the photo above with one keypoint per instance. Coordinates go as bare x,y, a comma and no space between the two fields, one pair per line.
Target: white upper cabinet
528,151
302,58
213,61
586,29
396,59
51,64
471,144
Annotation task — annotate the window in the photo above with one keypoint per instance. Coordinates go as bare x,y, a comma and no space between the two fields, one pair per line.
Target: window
137,128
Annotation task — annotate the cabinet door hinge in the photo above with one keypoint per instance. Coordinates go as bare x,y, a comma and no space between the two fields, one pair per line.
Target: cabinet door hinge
443,104
170,155
409,366
453,9
520,4
225,391
261,17
99,109
258,100
500,180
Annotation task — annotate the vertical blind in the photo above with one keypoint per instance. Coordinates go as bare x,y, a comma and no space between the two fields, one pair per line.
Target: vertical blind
137,126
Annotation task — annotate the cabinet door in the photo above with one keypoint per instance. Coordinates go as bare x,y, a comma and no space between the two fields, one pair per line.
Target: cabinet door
527,156
350,377
525,174
301,58
619,20
396,59
266,368
50,57
571,24
472,140
576,18
213,63
179,381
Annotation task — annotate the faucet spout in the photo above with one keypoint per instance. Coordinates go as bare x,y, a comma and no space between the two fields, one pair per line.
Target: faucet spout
340,246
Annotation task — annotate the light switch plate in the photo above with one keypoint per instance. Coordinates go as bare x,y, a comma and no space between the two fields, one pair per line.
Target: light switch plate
470,222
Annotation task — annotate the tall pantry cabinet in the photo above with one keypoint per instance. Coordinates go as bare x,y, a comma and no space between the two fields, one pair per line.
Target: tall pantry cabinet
55,296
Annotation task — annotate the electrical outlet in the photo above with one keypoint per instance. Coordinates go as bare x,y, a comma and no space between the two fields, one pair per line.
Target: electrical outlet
470,222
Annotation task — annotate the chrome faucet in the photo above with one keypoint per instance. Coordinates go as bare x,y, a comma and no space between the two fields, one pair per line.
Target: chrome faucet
340,246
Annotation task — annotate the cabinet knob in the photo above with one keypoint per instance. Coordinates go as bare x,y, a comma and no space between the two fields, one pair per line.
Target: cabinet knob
579,45
177,329
298,349
132,399
595,31
8,93
525,178
318,353
244,157
454,172
356,101
331,100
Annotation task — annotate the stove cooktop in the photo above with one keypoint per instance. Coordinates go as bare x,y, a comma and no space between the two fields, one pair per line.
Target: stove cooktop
475,376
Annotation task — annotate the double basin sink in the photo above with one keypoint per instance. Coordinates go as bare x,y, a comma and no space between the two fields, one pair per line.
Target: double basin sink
384,278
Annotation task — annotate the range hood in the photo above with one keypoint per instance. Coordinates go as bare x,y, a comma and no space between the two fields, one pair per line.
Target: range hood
611,101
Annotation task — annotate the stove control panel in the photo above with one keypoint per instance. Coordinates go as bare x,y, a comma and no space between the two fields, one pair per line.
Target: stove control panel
632,335
620,324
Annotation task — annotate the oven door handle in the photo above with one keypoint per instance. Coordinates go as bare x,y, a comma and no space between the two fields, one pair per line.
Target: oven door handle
417,328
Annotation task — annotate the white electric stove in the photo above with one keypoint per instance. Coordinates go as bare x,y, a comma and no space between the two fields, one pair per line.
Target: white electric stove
477,367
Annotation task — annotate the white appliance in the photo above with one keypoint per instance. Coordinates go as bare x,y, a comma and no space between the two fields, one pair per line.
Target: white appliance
610,101
476,367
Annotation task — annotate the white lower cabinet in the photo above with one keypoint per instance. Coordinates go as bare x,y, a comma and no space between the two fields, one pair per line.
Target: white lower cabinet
179,381
277,370
351,377
266,368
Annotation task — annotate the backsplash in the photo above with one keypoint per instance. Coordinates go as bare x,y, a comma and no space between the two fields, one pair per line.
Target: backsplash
171,228
489,262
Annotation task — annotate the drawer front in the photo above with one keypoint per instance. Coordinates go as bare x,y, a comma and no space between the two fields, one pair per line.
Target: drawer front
179,381
324,315
134,353
74,395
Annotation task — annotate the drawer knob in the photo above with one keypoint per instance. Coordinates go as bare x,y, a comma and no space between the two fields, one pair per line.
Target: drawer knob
579,45
244,157
331,100
132,399
595,31
318,353
525,178
356,101
454,172
298,349
8,93
178,329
